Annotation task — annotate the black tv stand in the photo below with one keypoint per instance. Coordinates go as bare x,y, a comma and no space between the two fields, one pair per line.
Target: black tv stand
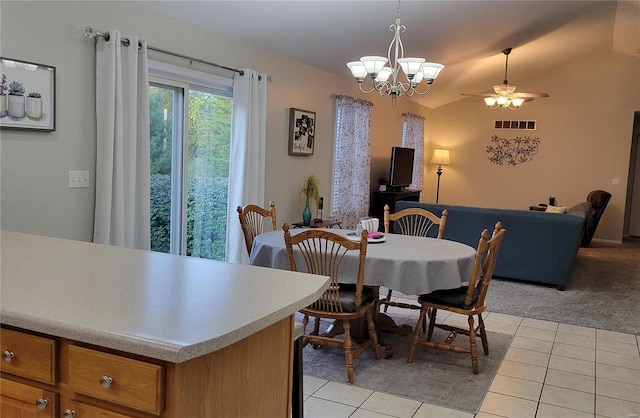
398,189
379,199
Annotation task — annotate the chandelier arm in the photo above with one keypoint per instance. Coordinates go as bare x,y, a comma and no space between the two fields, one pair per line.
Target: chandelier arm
415,90
374,88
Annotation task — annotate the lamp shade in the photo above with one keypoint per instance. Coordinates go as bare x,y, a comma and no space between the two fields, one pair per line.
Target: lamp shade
440,156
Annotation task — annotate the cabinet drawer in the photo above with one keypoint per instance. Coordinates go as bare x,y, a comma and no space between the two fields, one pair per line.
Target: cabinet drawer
28,355
75,409
133,383
18,400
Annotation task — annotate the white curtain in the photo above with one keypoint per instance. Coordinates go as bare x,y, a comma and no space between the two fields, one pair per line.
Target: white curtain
352,160
248,147
413,137
122,160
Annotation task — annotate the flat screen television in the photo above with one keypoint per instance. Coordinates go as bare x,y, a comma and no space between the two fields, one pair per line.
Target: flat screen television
401,168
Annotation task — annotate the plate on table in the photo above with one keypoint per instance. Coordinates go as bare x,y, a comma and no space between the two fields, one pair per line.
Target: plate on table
353,237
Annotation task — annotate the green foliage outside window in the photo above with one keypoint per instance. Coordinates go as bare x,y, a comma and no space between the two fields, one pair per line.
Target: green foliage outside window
209,134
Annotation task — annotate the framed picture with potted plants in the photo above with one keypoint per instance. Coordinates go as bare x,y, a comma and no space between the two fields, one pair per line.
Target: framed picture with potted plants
27,95
302,132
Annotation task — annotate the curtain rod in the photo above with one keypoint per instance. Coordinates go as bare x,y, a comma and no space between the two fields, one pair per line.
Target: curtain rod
91,33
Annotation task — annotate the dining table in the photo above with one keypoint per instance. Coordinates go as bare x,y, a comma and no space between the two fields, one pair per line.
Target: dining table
407,264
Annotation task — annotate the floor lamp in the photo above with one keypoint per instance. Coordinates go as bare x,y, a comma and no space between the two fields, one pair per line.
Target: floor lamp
440,156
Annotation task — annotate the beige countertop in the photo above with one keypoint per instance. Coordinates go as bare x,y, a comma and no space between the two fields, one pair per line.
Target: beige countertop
161,306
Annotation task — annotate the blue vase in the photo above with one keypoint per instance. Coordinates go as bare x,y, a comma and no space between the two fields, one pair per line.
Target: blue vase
306,214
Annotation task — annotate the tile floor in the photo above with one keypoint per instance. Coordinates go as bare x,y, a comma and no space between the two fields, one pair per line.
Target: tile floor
551,370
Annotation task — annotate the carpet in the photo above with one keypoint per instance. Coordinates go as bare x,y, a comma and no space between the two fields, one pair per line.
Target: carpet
436,377
603,291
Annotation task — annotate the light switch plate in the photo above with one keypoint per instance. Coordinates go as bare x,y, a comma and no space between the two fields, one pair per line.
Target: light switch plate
78,179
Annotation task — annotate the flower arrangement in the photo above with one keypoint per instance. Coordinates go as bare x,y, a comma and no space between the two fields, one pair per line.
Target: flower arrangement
310,189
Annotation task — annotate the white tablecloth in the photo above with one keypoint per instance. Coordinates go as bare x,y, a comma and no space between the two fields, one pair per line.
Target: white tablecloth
411,265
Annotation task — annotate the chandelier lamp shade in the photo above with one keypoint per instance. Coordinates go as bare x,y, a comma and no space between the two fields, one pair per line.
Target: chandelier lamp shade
385,72
440,157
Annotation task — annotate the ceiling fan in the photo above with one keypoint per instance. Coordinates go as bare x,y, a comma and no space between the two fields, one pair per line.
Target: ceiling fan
505,95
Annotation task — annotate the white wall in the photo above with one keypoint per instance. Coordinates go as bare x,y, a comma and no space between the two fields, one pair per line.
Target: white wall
34,166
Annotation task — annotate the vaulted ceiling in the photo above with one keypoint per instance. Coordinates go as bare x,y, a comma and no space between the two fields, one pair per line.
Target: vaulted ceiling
466,36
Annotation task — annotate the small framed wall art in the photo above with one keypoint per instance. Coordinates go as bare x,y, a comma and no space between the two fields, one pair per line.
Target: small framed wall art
302,128
27,95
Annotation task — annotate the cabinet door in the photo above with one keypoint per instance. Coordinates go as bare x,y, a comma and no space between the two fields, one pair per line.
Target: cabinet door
24,401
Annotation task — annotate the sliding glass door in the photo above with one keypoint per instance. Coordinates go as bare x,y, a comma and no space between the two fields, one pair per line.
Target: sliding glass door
190,144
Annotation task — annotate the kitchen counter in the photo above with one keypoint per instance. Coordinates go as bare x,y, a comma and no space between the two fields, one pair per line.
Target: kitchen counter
162,306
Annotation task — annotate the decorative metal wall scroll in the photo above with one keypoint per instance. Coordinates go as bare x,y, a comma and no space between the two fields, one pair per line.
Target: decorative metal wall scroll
512,151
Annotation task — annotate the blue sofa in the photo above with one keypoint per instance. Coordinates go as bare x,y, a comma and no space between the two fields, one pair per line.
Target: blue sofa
538,246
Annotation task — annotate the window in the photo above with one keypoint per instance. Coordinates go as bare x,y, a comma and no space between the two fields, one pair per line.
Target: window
190,116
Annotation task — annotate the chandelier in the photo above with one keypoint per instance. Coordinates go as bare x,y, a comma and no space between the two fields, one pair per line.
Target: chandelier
385,72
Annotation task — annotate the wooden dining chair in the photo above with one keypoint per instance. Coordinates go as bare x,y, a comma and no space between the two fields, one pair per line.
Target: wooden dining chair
467,300
416,222
323,252
252,221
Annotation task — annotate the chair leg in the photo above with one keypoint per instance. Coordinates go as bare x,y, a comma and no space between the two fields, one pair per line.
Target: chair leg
472,345
432,323
483,335
386,305
416,333
348,350
373,334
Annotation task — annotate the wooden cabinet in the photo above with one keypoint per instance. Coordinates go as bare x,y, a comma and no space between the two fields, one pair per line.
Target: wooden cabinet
54,377
28,355
132,383
25,401
379,199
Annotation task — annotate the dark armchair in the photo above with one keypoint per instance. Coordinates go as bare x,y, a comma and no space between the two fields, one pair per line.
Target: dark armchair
599,200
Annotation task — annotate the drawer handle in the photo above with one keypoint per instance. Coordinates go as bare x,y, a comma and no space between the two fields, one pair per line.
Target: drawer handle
7,356
69,413
105,381
41,404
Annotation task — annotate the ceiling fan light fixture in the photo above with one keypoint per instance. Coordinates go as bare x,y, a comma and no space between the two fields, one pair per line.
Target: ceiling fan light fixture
505,96
504,89
385,78
490,101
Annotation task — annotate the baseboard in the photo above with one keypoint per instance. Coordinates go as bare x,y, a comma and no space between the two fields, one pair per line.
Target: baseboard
607,241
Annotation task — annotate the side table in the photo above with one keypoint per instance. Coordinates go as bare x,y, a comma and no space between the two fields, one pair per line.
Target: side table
322,223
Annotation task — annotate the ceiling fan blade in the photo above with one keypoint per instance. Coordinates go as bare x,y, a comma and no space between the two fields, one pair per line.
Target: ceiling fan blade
478,94
532,95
